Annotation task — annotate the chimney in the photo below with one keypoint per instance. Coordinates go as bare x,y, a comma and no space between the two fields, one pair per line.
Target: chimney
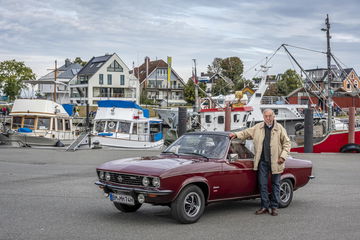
67,62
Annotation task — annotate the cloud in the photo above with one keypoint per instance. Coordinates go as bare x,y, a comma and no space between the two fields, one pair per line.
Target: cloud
39,31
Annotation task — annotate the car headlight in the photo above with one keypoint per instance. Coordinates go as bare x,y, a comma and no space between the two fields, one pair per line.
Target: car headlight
156,182
145,181
101,175
107,176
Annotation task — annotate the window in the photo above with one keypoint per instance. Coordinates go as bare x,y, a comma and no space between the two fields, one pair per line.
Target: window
115,67
100,126
99,65
67,125
134,129
124,127
122,80
118,92
29,123
43,123
104,92
221,119
101,79
60,125
109,79
16,122
111,126
207,118
235,118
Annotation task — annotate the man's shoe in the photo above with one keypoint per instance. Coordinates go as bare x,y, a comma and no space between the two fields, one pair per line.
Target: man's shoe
262,211
274,212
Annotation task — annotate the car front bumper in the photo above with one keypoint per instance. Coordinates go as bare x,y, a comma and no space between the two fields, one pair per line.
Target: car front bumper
153,196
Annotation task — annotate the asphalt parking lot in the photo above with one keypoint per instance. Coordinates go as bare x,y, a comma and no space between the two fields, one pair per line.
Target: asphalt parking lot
50,194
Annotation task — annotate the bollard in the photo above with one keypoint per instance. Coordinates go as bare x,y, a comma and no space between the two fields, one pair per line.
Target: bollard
351,125
181,127
227,119
308,131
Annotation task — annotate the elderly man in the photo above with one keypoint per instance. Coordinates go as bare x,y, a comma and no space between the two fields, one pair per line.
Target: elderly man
271,146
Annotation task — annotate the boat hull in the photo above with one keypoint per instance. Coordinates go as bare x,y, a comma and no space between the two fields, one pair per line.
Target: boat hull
126,143
331,143
28,140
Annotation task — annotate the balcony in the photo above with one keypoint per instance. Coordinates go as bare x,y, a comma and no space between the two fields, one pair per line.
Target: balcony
114,95
165,87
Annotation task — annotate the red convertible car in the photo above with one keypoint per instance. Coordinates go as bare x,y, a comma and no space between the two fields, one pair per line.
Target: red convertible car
197,169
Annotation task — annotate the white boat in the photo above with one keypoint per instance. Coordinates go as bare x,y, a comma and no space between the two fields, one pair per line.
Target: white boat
125,124
39,122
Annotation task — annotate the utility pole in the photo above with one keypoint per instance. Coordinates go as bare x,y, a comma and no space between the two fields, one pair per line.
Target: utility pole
329,76
196,89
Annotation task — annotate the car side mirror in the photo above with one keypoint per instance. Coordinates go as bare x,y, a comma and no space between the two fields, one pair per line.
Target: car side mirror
233,157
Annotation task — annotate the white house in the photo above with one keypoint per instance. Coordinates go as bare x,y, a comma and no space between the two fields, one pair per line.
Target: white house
104,78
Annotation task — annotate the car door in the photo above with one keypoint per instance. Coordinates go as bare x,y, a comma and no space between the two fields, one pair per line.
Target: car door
239,179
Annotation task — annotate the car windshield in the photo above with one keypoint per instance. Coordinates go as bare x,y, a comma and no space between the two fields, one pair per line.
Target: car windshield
206,145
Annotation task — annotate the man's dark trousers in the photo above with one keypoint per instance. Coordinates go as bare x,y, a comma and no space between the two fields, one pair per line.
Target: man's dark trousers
264,169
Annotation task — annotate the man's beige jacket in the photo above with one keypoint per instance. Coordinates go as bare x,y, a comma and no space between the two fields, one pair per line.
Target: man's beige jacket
279,144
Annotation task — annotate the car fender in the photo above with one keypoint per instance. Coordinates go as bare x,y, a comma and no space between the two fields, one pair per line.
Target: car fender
192,180
289,176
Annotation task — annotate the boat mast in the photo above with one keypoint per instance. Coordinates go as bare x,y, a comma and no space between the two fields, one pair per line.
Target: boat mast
197,107
55,77
329,76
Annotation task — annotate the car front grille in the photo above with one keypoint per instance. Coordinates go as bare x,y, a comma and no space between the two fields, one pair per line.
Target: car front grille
126,179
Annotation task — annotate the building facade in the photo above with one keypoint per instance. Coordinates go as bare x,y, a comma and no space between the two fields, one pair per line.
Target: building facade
64,75
104,78
153,80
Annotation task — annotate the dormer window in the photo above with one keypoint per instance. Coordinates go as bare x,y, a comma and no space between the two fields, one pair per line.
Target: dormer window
115,67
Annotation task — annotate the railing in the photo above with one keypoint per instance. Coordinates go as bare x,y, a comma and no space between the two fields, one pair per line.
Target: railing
114,95
79,82
273,100
166,86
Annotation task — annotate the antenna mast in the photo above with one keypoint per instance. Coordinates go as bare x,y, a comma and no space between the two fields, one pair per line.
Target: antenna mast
329,75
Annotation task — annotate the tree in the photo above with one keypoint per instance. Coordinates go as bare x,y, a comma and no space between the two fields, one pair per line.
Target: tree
215,66
289,81
80,61
189,91
220,87
272,90
144,98
232,67
242,83
12,75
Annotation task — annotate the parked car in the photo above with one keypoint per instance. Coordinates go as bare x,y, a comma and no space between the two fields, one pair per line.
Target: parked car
197,169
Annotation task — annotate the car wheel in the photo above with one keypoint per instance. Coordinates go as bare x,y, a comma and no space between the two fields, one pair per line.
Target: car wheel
189,205
127,208
286,193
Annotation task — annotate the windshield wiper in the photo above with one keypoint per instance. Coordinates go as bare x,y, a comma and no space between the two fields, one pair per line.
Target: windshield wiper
171,153
198,154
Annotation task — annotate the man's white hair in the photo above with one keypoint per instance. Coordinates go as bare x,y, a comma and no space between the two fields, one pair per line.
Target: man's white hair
268,110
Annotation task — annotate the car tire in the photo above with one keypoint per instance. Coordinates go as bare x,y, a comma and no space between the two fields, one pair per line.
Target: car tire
127,208
189,205
286,193
350,148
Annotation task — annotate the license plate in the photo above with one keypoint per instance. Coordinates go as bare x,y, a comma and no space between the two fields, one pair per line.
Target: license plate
122,198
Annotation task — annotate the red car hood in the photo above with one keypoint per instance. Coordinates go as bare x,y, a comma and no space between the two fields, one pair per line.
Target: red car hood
153,166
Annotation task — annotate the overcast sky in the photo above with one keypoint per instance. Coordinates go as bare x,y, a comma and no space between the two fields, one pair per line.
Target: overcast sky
39,32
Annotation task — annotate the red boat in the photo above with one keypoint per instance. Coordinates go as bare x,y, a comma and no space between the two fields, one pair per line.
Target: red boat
335,141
